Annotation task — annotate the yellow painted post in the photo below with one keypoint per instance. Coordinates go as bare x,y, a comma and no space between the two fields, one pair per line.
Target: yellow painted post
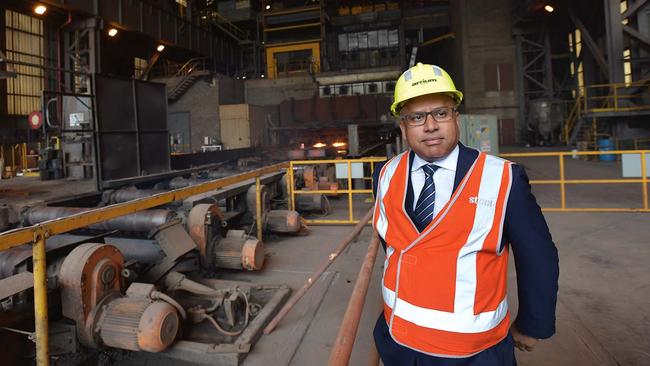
40,298
287,177
292,199
562,191
258,207
351,215
615,98
644,179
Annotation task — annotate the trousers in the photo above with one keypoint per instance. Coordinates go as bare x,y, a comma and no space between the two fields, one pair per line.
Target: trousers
394,354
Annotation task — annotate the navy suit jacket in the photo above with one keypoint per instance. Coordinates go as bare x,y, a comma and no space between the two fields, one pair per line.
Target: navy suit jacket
536,258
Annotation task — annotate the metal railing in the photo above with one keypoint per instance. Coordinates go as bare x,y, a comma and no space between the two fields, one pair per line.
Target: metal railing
563,182
617,97
15,159
38,234
293,192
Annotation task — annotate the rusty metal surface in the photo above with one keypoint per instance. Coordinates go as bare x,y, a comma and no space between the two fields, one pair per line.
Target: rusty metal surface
17,283
252,255
139,221
283,221
174,241
251,198
239,251
89,275
199,218
232,354
137,324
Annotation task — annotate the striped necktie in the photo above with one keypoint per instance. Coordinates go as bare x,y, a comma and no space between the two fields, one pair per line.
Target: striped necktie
424,208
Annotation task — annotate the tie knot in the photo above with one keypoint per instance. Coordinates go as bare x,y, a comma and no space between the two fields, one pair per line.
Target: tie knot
429,169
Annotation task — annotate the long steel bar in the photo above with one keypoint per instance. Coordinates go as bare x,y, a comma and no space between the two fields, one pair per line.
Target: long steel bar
40,298
17,237
258,208
314,277
342,350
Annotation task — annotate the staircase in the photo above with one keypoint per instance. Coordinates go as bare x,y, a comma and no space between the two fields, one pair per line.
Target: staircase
185,77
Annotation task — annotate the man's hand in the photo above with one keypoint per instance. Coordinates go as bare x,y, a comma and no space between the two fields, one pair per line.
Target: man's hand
522,341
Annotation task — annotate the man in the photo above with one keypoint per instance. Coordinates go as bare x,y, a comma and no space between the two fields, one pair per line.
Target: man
447,216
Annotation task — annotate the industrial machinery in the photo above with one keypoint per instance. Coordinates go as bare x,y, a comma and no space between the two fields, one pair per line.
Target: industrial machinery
144,282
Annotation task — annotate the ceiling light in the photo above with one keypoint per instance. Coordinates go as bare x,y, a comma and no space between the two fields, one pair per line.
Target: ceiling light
339,144
268,7
262,75
319,145
112,32
548,8
160,47
40,10
244,77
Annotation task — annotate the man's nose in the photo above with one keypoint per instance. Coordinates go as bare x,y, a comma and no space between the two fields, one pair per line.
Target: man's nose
430,123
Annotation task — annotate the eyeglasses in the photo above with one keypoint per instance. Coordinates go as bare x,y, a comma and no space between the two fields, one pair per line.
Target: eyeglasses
440,115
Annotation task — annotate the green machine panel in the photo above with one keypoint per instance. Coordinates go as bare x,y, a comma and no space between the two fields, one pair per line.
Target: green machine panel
480,131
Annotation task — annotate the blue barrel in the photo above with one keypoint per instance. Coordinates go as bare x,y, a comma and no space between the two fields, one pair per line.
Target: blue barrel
606,145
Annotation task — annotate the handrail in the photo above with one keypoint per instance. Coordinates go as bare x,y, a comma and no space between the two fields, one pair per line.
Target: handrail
349,191
562,182
191,65
342,350
38,234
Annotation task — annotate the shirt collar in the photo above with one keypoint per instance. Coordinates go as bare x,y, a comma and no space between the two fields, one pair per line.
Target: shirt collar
449,162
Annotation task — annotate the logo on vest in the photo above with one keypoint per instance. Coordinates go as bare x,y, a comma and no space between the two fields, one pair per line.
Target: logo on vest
481,201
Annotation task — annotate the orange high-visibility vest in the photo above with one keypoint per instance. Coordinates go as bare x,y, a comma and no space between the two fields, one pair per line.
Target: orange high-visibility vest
444,289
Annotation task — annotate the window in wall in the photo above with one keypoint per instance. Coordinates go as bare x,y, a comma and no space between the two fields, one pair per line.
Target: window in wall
627,66
575,47
24,43
498,77
623,9
139,65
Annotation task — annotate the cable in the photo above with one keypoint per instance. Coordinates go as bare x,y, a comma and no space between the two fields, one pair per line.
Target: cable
166,298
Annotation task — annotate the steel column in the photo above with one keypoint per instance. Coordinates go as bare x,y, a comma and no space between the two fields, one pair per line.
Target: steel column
614,30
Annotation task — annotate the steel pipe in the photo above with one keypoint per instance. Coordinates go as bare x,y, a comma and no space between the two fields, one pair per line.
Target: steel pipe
314,277
139,221
129,194
342,350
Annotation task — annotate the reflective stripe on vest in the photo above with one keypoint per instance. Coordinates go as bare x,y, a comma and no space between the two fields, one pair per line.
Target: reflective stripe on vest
450,280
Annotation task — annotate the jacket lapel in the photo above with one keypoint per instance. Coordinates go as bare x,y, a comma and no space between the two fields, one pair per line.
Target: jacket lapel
466,158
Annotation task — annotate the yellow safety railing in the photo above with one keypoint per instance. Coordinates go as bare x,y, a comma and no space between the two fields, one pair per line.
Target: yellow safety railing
633,144
17,160
563,182
349,190
38,234
616,97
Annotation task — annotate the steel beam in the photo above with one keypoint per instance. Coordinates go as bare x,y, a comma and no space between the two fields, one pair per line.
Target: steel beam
614,32
633,8
636,34
591,45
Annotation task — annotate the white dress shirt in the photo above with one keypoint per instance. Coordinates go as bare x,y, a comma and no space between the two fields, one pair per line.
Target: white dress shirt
443,179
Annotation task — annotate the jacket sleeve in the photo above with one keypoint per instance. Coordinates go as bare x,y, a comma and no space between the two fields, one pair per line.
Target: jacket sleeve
375,182
536,259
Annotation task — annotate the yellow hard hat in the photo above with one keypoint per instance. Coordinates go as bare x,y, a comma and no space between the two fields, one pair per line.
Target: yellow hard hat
423,79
